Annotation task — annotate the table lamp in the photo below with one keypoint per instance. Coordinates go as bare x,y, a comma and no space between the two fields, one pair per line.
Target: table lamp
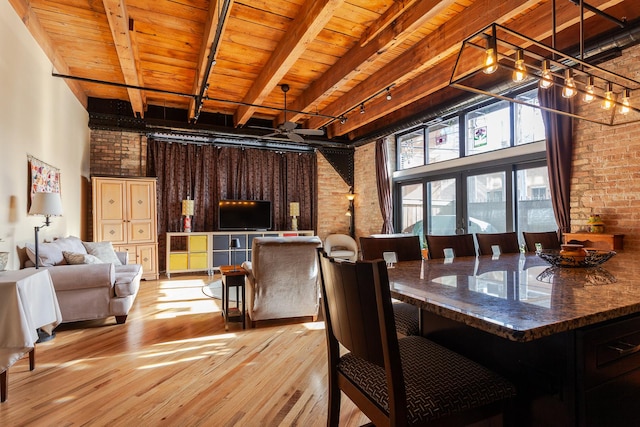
294,211
187,212
47,204
234,244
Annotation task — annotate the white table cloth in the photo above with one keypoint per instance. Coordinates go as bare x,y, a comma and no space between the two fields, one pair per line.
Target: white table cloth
27,302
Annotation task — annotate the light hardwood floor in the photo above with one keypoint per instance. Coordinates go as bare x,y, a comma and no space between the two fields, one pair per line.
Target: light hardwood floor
174,364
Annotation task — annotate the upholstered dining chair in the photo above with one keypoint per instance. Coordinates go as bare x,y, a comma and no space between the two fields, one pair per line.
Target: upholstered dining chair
507,242
406,248
548,240
341,246
462,245
396,381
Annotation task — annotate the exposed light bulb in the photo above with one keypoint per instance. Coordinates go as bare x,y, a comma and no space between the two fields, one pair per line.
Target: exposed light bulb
547,78
388,94
362,108
589,89
520,72
607,103
569,89
490,61
625,107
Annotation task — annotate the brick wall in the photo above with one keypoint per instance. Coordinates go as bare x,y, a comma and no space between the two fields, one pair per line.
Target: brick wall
606,167
367,207
332,201
117,153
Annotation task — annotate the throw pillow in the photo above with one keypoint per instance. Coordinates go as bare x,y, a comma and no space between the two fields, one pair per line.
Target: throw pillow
76,258
102,250
49,254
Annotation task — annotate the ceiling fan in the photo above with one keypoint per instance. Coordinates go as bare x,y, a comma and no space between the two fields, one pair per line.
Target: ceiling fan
287,128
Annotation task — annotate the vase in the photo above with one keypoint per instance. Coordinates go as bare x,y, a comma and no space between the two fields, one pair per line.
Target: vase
4,257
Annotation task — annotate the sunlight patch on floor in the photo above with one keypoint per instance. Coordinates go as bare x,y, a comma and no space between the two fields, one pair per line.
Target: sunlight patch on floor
200,339
173,362
184,297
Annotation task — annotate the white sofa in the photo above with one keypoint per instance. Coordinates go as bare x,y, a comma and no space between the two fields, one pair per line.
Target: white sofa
93,287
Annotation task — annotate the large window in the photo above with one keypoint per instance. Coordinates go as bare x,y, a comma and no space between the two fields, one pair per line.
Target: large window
411,149
489,128
529,126
464,184
444,141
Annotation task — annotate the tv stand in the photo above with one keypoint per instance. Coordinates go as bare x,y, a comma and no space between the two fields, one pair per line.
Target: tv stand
207,251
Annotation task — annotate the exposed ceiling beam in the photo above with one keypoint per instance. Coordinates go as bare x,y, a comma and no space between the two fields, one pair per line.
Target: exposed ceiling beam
120,26
430,50
360,58
311,19
535,24
387,19
31,21
210,29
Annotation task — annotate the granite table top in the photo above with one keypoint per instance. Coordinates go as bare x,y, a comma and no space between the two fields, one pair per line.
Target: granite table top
520,297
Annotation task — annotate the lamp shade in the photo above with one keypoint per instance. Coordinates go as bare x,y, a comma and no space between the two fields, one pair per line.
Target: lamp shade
234,243
47,204
187,207
294,209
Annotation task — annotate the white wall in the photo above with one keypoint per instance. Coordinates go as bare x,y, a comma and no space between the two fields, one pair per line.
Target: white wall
39,116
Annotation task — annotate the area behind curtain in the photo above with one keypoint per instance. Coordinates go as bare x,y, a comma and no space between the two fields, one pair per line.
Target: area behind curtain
209,174
559,136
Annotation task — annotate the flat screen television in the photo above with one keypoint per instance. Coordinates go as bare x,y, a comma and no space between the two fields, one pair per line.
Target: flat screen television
244,215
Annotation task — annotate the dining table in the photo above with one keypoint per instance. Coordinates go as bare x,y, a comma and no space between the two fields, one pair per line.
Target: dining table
567,336
28,303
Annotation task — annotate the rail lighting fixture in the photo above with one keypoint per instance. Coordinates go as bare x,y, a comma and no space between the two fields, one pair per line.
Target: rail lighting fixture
527,61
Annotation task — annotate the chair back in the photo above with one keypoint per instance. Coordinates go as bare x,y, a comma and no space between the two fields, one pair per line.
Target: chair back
462,245
355,297
341,246
407,248
508,243
284,279
548,240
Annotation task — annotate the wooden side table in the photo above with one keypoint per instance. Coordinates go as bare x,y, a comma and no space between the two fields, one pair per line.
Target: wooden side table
233,277
603,241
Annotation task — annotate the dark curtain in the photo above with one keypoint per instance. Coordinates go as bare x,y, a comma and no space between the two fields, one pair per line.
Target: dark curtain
208,174
559,139
384,187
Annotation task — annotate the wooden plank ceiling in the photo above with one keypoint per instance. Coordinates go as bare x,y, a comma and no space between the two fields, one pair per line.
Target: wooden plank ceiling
335,55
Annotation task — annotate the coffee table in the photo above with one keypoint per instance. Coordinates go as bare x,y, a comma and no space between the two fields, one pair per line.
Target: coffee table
233,276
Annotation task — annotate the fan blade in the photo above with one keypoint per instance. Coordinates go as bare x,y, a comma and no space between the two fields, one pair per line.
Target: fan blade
272,134
287,126
314,132
295,137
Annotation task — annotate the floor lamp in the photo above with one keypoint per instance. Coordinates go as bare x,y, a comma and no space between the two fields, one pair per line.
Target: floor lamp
48,205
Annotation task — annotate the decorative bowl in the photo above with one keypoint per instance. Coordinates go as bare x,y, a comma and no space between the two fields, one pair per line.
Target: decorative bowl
4,257
593,258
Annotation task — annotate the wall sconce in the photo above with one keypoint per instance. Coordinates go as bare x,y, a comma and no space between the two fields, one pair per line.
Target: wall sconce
294,211
351,212
48,205
187,212
234,244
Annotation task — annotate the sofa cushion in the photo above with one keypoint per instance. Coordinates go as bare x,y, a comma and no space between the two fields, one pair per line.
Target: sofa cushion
50,253
76,258
103,250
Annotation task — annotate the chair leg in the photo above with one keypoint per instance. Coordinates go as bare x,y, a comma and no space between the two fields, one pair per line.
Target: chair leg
121,319
32,359
3,386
